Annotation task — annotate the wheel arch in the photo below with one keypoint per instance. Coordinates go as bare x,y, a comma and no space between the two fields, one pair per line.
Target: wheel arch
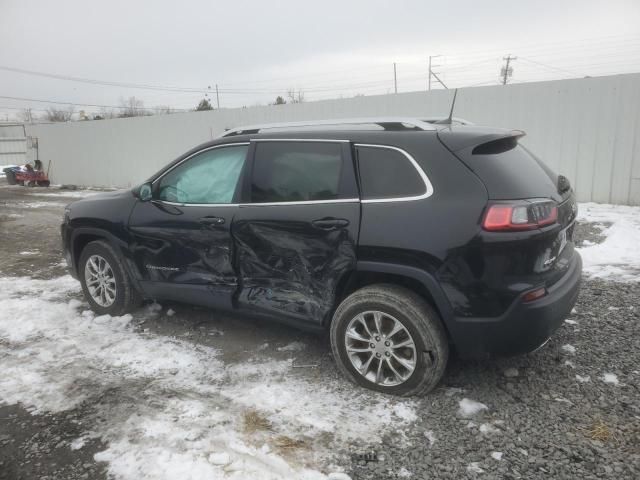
82,236
412,278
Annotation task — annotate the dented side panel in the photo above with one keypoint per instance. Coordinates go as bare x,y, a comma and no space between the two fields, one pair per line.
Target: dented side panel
175,252
286,265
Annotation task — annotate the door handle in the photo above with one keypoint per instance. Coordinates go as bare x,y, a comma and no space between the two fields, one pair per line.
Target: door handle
330,223
212,221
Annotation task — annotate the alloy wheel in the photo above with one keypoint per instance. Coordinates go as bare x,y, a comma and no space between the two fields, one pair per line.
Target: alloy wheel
380,348
100,280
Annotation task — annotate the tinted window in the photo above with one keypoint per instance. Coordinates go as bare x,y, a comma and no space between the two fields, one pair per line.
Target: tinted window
209,177
387,173
511,172
296,171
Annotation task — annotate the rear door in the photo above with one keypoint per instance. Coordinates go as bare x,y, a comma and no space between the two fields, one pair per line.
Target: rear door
181,241
297,235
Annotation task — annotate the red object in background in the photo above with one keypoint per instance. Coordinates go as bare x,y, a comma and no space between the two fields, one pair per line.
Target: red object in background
38,177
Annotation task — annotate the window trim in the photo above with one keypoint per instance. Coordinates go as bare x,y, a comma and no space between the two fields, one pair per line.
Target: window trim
427,183
159,177
299,202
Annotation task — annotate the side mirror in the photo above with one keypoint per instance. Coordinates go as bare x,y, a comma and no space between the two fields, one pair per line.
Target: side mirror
145,193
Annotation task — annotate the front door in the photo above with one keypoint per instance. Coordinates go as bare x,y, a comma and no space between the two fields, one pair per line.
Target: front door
297,236
181,239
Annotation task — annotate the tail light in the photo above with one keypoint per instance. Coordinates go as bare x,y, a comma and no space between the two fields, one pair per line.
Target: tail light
534,294
523,215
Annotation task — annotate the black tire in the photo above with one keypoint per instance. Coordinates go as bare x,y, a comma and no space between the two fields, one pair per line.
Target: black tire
127,297
419,319
43,183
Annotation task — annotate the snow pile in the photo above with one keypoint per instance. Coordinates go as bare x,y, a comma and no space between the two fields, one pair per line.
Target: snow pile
167,408
469,408
474,467
618,257
292,347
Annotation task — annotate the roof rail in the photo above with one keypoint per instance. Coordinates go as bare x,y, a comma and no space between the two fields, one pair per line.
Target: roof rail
387,123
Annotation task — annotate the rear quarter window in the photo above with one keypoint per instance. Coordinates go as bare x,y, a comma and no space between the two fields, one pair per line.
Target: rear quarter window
387,173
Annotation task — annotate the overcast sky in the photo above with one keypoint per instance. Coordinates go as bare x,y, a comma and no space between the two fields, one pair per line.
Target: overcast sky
256,50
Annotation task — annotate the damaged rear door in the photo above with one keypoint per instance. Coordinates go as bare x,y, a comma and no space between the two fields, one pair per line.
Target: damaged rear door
297,235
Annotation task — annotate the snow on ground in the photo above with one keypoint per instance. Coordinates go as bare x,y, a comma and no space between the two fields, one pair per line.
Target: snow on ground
618,257
31,204
292,347
167,408
68,193
469,408
474,467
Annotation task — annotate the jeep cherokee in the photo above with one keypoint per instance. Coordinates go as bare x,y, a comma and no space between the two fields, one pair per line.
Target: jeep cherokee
403,238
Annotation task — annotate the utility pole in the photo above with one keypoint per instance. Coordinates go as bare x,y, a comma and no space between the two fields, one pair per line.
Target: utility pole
217,97
432,73
395,78
506,70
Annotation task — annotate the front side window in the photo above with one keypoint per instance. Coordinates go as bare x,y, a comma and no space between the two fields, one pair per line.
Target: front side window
209,177
386,173
296,171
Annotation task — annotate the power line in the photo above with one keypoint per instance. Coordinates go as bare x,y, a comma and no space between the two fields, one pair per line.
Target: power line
122,107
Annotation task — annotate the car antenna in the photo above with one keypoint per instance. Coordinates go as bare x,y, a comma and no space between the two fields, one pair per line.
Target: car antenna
449,120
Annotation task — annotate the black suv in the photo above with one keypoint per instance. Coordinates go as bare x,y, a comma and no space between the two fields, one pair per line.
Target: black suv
403,238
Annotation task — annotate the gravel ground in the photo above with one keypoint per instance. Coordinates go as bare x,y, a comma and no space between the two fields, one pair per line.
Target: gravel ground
551,414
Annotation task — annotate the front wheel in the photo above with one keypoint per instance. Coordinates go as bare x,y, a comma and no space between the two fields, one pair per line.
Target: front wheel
104,280
389,339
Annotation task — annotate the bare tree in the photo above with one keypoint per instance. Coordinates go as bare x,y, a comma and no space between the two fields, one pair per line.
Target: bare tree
131,107
26,115
295,97
59,115
164,110
105,113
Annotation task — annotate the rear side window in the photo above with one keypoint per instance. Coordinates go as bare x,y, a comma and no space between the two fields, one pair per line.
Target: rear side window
296,171
387,173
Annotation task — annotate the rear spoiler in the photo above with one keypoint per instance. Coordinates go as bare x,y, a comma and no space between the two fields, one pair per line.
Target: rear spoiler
473,137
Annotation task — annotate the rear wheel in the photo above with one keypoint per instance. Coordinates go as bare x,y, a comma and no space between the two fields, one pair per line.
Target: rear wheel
104,280
389,339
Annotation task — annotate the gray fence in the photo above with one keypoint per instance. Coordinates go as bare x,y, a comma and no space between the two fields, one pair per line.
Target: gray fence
585,128
13,145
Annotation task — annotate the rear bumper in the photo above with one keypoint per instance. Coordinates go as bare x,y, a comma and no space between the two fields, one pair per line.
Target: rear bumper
525,326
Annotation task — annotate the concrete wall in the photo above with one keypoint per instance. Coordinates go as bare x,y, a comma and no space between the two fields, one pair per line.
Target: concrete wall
584,128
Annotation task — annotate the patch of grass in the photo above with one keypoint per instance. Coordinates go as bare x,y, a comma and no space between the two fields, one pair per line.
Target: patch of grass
599,431
286,444
255,421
